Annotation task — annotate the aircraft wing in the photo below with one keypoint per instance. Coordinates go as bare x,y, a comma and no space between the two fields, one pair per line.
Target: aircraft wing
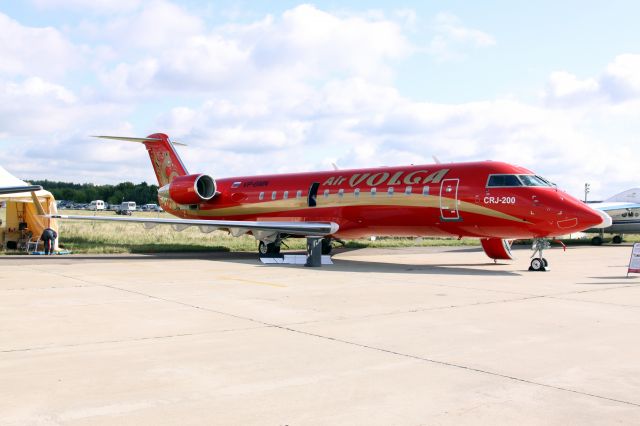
18,189
235,227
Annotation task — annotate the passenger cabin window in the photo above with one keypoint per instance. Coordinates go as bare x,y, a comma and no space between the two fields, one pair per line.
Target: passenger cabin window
425,190
261,196
298,194
273,195
390,191
356,192
408,190
373,192
326,193
341,193
285,195
503,180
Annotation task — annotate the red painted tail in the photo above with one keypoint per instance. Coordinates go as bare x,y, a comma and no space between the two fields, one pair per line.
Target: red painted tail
164,158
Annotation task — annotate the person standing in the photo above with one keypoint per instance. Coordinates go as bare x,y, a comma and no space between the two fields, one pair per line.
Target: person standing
49,239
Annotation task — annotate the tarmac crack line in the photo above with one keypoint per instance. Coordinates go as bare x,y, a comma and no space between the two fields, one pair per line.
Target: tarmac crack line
459,366
417,310
438,308
388,351
134,339
202,308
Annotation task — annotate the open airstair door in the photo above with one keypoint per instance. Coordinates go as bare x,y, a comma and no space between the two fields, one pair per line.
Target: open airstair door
313,194
449,199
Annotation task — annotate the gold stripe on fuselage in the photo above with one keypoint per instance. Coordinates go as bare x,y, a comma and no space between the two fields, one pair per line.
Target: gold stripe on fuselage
365,199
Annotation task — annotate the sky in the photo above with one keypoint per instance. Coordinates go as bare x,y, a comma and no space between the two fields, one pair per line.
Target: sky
268,87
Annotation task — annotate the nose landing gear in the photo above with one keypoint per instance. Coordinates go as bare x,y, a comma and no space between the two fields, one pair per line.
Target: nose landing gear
539,263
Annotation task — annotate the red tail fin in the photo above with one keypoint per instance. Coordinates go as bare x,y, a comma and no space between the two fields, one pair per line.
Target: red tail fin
164,158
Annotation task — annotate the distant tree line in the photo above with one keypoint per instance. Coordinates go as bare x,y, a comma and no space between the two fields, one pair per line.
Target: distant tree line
141,193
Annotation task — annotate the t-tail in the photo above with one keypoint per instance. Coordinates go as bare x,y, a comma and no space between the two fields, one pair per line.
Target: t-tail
176,184
164,158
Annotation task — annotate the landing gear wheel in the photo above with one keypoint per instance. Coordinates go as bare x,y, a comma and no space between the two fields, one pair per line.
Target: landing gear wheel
326,246
537,264
596,241
617,239
268,249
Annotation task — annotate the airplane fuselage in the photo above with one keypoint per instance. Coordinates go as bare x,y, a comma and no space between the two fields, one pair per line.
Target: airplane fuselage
456,199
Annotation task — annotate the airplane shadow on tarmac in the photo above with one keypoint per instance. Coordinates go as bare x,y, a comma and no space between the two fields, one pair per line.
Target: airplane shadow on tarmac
343,265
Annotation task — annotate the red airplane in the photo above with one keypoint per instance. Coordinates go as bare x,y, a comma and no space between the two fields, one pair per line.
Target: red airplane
494,201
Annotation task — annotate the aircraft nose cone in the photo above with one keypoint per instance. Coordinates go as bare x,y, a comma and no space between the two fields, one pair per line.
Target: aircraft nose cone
592,218
607,220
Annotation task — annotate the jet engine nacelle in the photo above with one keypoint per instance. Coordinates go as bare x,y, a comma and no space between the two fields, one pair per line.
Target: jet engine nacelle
189,189
497,248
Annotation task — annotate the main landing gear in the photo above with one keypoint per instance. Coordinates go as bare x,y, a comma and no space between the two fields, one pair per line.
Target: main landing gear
268,249
539,263
273,249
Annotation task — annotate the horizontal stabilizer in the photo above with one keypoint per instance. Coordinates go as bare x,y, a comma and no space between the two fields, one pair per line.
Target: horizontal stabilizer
140,140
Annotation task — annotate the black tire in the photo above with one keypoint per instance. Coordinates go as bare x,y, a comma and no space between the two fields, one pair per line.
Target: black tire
268,249
596,241
544,262
263,249
326,246
537,264
617,239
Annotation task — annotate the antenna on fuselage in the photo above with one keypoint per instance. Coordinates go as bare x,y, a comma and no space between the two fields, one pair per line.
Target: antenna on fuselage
436,159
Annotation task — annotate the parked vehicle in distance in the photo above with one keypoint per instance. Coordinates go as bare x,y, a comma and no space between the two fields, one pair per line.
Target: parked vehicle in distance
151,208
96,205
126,208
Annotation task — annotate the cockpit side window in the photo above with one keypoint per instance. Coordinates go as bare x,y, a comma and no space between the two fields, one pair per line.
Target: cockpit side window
503,180
531,180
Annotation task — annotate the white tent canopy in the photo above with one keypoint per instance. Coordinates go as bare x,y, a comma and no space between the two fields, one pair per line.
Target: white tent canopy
21,210
9,180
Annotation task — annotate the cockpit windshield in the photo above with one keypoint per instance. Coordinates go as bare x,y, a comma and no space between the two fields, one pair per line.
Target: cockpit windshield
504,180
516,180
532,180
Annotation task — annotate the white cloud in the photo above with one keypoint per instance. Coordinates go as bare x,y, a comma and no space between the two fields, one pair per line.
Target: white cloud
157,25
303,45
621,79
100,6
566,88
34,51
619,82
35,87
452,38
